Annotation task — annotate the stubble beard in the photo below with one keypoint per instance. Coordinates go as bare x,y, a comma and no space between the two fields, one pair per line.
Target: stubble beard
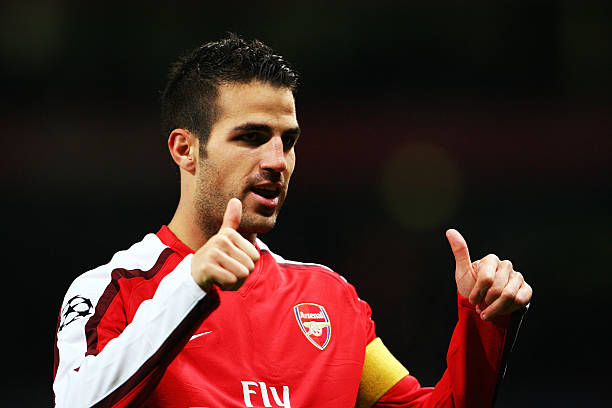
210,205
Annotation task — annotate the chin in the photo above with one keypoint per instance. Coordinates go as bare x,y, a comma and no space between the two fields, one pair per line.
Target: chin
257,224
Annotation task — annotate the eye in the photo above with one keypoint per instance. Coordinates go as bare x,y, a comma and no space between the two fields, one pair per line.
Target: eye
251,138
289,141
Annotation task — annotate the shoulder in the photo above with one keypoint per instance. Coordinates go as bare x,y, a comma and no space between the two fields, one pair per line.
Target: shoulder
297,265
140,257
310,270
326,283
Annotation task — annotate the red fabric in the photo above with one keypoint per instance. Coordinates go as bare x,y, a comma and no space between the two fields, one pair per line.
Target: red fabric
249,348
252,346
110,317
115,310
473,364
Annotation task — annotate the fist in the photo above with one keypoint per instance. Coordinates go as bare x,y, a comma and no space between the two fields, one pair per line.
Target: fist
492,285
227,258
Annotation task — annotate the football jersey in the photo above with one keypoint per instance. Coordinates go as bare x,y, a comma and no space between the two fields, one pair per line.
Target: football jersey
139,331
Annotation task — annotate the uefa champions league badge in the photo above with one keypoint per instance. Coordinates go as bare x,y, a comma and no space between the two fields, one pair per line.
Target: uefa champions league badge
74,309
314,323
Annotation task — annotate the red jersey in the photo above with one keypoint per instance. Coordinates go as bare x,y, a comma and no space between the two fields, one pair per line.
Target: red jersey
140,331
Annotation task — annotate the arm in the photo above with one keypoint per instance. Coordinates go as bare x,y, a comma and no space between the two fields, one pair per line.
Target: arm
479,346
476,361
129,365
116,363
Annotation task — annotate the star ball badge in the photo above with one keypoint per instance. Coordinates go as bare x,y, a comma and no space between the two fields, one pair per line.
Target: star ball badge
76,308
314,323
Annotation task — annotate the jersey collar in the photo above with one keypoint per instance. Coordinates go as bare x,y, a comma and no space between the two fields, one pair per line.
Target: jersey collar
168,238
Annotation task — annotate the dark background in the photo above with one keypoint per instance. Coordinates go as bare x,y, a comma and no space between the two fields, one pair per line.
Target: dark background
490,117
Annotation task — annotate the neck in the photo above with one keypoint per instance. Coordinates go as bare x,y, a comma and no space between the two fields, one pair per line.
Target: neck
187,232
187,227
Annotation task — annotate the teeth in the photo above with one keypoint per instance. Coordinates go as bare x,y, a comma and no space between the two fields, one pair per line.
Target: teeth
266,188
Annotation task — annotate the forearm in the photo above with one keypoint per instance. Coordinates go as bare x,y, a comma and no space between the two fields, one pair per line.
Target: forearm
474,359
474,365
132,363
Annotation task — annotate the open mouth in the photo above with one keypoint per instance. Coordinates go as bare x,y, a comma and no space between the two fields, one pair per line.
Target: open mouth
268,192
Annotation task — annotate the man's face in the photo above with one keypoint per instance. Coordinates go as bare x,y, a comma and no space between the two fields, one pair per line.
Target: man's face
249,155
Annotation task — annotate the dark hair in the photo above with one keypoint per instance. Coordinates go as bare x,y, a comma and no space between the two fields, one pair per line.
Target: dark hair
189,99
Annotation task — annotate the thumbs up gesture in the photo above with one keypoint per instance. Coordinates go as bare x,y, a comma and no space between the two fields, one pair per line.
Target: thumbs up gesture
227,258
493,286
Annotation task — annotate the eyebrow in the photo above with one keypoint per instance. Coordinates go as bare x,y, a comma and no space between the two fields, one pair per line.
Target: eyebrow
259,127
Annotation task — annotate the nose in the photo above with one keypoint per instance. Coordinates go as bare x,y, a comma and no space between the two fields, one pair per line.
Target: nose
274,157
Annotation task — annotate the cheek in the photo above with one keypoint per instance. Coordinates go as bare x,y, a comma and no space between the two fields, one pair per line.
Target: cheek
214,175
290,164
223,170
235,175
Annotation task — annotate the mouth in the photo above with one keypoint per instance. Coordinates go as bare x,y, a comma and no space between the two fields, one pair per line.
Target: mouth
268,191
267,194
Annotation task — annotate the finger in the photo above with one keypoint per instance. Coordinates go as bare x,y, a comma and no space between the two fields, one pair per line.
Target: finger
523,296
242,257
221,277
244,245
505,303
236,246
233,214
464,274
502,275
459,248
232,265
484,280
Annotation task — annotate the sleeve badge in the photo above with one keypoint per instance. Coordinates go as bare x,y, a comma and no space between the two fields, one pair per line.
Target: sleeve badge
76,308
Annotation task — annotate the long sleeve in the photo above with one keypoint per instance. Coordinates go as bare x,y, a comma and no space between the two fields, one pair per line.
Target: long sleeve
476,361
119,366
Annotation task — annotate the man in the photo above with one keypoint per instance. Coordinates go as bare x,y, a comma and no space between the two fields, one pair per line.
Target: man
203,314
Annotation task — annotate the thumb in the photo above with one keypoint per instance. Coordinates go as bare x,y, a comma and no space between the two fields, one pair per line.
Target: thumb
233,214
460,250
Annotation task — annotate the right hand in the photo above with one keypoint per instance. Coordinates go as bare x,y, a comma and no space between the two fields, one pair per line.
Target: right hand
227,258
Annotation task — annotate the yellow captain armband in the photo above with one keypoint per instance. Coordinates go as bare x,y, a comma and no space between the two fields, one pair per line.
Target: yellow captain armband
381,371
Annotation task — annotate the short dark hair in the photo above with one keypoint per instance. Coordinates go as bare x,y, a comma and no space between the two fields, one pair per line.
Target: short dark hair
189,98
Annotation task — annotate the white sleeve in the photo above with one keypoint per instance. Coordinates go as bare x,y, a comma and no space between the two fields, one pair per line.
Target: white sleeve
128,360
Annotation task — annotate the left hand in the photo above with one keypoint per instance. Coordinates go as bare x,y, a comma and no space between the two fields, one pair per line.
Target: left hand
493,286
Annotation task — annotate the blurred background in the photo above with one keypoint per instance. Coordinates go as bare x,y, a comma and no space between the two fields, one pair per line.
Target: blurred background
490,117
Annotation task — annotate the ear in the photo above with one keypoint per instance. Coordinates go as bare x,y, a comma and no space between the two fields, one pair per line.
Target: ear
183,146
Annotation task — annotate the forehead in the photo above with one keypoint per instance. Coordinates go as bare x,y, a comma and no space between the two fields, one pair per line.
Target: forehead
255,102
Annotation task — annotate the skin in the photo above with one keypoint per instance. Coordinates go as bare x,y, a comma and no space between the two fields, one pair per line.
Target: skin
492,285
252,144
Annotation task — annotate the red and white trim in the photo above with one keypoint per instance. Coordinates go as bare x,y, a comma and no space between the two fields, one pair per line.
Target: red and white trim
132,362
